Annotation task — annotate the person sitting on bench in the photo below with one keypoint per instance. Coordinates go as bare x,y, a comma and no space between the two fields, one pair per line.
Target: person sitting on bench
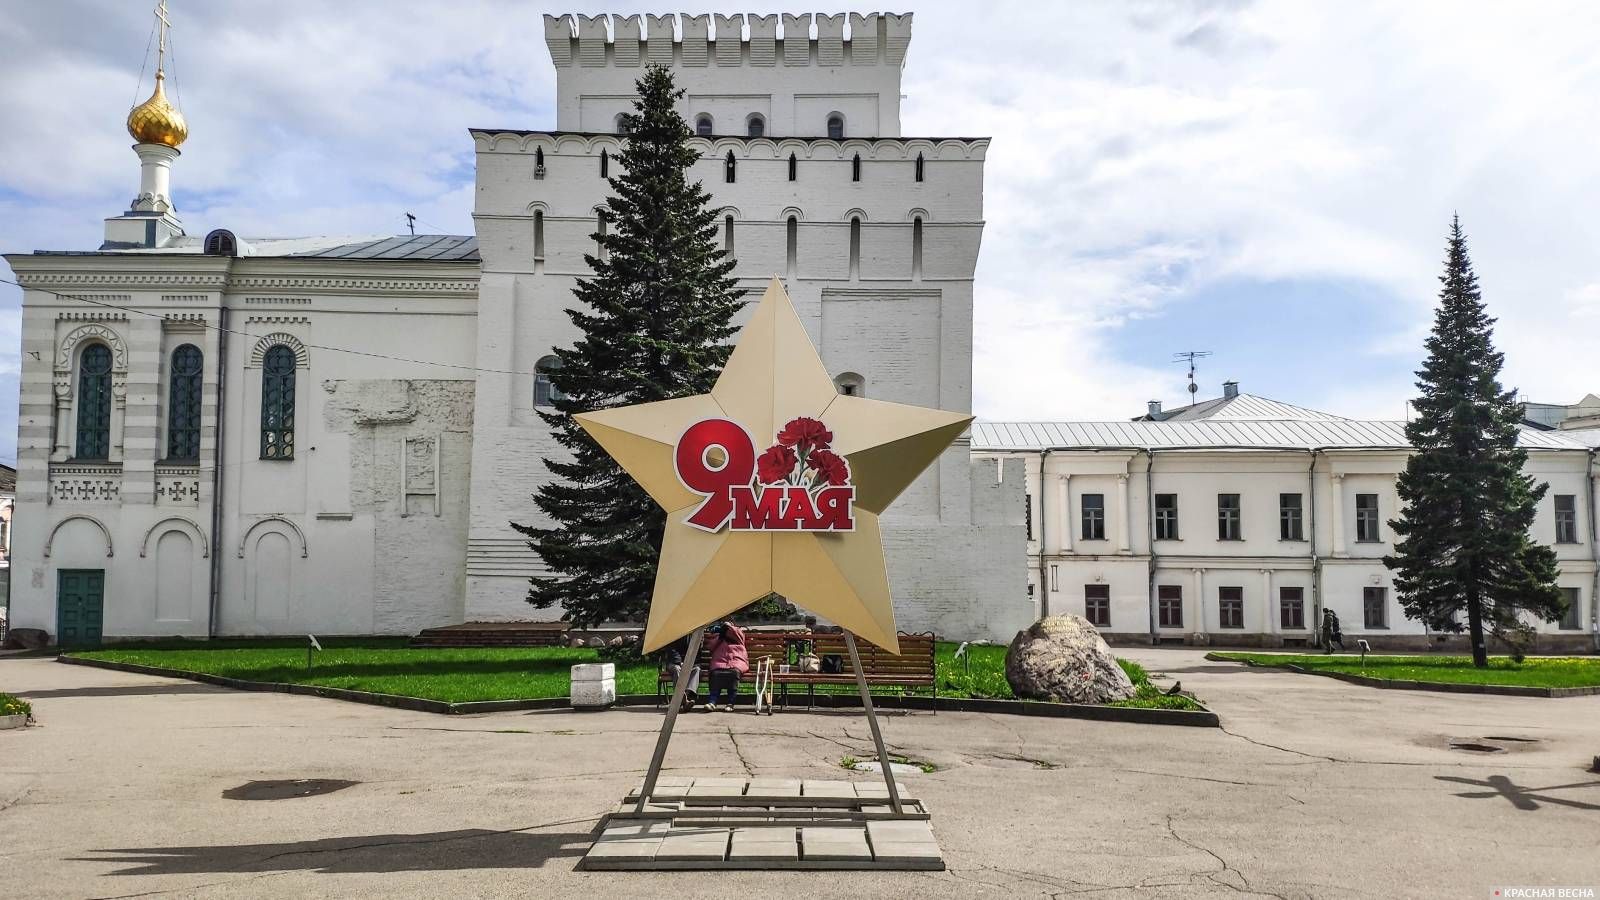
672,663
729,661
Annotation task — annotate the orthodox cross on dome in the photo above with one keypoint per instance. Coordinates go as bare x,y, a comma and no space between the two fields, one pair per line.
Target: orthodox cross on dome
800,519
161,44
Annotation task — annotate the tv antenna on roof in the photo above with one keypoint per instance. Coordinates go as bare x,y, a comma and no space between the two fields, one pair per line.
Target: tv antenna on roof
411,223
1190,356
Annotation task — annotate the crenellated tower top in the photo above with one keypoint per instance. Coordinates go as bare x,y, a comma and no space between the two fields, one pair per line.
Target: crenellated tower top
806,74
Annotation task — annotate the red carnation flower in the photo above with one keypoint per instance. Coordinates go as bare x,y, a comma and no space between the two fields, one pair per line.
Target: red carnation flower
775,464
831,467
805,432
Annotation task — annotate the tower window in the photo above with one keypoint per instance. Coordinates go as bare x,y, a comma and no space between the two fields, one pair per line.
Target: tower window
624,124
183,406
916,247
794,167
729,171
94,403
727,235
277,403
855,248
836,127
538,162
545,393
605,164
919,166
755,126
792,229
538,234
855,167
702,125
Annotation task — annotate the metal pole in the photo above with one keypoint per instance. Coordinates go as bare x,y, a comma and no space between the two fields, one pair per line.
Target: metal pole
690,660
872,720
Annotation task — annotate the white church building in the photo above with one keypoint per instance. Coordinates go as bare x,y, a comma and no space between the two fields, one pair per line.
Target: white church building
227,436
1237,520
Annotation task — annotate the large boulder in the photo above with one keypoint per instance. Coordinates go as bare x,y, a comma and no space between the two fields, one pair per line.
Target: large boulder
26,639
1062,658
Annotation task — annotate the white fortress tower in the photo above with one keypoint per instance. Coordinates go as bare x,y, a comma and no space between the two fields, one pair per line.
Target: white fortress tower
876,236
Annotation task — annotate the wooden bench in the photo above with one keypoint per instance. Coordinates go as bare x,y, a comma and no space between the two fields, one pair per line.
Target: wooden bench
913,667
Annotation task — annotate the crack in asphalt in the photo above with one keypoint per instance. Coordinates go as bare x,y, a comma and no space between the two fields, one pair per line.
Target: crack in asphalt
1216,877
739,752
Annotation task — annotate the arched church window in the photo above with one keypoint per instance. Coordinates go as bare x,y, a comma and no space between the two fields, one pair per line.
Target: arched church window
836,127
727,235
183,403
545,393
755,126
916,248
94,402
729,170
702,125
794,167
277,403
855,168
919,166
605,164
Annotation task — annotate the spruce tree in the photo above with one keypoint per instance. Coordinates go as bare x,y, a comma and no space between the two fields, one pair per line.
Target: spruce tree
1463,531
655,317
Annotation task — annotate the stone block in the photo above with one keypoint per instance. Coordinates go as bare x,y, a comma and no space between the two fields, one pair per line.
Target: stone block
594,672
694,844
900,831
829,789
593,694
906,852
764,844
834,844
774,787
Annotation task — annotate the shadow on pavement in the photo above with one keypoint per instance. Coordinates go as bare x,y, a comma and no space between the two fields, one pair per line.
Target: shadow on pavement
469,848
1525,798
126,690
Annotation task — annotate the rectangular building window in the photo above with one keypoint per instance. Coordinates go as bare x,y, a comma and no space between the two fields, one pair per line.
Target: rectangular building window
1572,619
1367,517
1228,518
1027,513
1055,578
1292,608
1097,604
1375,607
1094,516
1166,517
1230,607
1169,605
1566,518
1291,516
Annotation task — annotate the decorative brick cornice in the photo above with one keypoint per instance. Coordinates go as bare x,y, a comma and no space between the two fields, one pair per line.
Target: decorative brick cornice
356,285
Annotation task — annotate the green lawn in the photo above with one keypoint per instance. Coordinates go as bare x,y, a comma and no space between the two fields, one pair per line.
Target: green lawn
388,666
1532,672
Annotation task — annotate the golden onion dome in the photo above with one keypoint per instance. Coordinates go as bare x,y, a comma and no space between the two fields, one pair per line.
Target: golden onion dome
157,121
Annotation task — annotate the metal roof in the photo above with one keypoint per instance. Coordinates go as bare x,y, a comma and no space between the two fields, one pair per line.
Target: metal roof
1245,406
437,247
1354,434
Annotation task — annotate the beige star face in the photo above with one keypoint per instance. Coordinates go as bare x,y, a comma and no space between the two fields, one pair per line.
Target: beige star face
773,377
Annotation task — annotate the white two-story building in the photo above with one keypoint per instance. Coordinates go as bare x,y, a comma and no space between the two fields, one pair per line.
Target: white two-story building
1237,521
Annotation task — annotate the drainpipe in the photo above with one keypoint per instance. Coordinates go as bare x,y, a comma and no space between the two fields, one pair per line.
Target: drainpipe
1044,518
216,471
1316,561
1150,514
1594,549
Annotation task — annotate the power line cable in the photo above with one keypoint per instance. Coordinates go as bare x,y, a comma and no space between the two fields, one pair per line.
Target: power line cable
247,334
143,64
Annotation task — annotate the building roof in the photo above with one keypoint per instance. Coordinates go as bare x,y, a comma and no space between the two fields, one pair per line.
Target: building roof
410,248
1245,406
1288,434
1589,437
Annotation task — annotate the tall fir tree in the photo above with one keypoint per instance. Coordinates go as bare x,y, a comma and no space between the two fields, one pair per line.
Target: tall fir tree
655,318
1463,531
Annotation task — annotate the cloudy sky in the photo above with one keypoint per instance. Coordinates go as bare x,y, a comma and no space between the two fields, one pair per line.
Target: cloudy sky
1267,181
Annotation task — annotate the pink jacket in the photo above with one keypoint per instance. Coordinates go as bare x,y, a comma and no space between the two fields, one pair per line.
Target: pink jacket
728,650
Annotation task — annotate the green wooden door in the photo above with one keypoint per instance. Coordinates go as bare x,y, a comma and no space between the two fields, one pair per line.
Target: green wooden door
80,607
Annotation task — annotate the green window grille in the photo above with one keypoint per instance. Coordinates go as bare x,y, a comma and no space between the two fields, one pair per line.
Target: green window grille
277,403
183,406
94,402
